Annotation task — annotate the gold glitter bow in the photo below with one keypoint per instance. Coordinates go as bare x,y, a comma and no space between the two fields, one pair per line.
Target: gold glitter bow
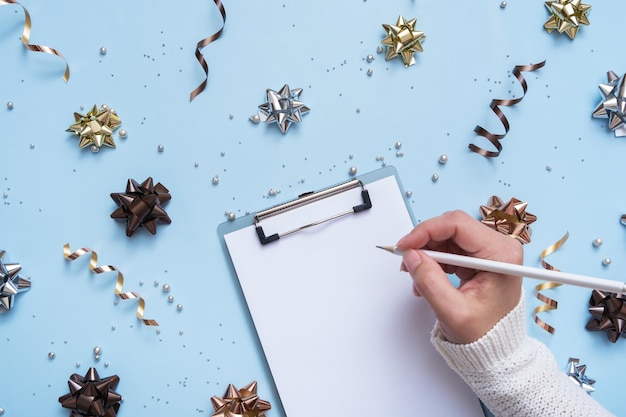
510,219
403,40
495,138
95,128
548,303
93,266
32,47
240,403
201,44
566,16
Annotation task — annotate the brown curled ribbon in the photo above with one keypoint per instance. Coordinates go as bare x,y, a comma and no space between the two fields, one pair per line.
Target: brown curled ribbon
93,266
36,48
495,138
548,303
201,44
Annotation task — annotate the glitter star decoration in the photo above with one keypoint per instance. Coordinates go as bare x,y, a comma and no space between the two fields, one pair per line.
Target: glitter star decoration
608,312
240,403
10,283
613,104
403,40
141,206
566,16
510,219
576,374
92,396
283,107
95,128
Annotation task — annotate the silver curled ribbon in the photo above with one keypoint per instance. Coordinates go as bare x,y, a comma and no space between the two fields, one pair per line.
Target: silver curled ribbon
548,303
495,138
201,44
93,266
36,48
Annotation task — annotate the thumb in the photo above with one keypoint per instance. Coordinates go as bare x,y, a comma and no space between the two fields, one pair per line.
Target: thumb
431,281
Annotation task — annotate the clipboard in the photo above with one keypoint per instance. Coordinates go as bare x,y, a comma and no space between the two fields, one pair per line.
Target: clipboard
339,326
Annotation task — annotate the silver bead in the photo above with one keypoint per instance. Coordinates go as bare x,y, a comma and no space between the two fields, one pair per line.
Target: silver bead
97,350
255,118
379,50
1,411
606,261
370,72
231,216
180,332
96,357
5,195
77,364
51,355
215,180
435,177
170,298
222,153
272,192
141,282
408,193
443,159
370,58
597,242
103,50
353,170
156,283
231,116
123,134
94,149
32,146
399,154
166,287
158,331
503,5
160,148
113,327
106,364
548,168
10,105
398,145
195,164
358,110
104,107
179,307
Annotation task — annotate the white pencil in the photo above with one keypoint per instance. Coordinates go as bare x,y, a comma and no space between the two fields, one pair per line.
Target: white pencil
519,270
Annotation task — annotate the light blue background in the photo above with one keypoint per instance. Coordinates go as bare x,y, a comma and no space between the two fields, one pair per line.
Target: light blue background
57,193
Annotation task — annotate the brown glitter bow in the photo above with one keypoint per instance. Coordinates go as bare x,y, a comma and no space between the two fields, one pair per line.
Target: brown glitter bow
608,313
548,303
493,137
91,395
510,219
201,44
93,266
32,47
240,403
141,205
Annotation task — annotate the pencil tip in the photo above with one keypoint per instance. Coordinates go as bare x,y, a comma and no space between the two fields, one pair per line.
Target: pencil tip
387,248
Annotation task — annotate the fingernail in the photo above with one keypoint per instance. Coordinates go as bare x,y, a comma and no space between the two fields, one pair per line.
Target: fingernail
411,260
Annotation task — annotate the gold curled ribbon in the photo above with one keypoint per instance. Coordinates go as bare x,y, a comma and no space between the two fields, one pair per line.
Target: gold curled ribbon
93,266
201,44
36,48
548,303
495,138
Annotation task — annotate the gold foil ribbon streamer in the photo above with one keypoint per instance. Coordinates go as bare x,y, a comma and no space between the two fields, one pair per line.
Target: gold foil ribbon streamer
36,48
549,303
93,266
495,138
201,44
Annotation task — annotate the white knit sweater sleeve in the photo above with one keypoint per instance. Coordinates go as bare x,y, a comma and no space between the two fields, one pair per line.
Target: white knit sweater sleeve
516,375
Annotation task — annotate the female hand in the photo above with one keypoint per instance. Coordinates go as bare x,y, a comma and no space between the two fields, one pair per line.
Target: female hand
468,312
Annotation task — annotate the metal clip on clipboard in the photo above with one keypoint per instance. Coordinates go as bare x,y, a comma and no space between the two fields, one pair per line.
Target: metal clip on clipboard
306,199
